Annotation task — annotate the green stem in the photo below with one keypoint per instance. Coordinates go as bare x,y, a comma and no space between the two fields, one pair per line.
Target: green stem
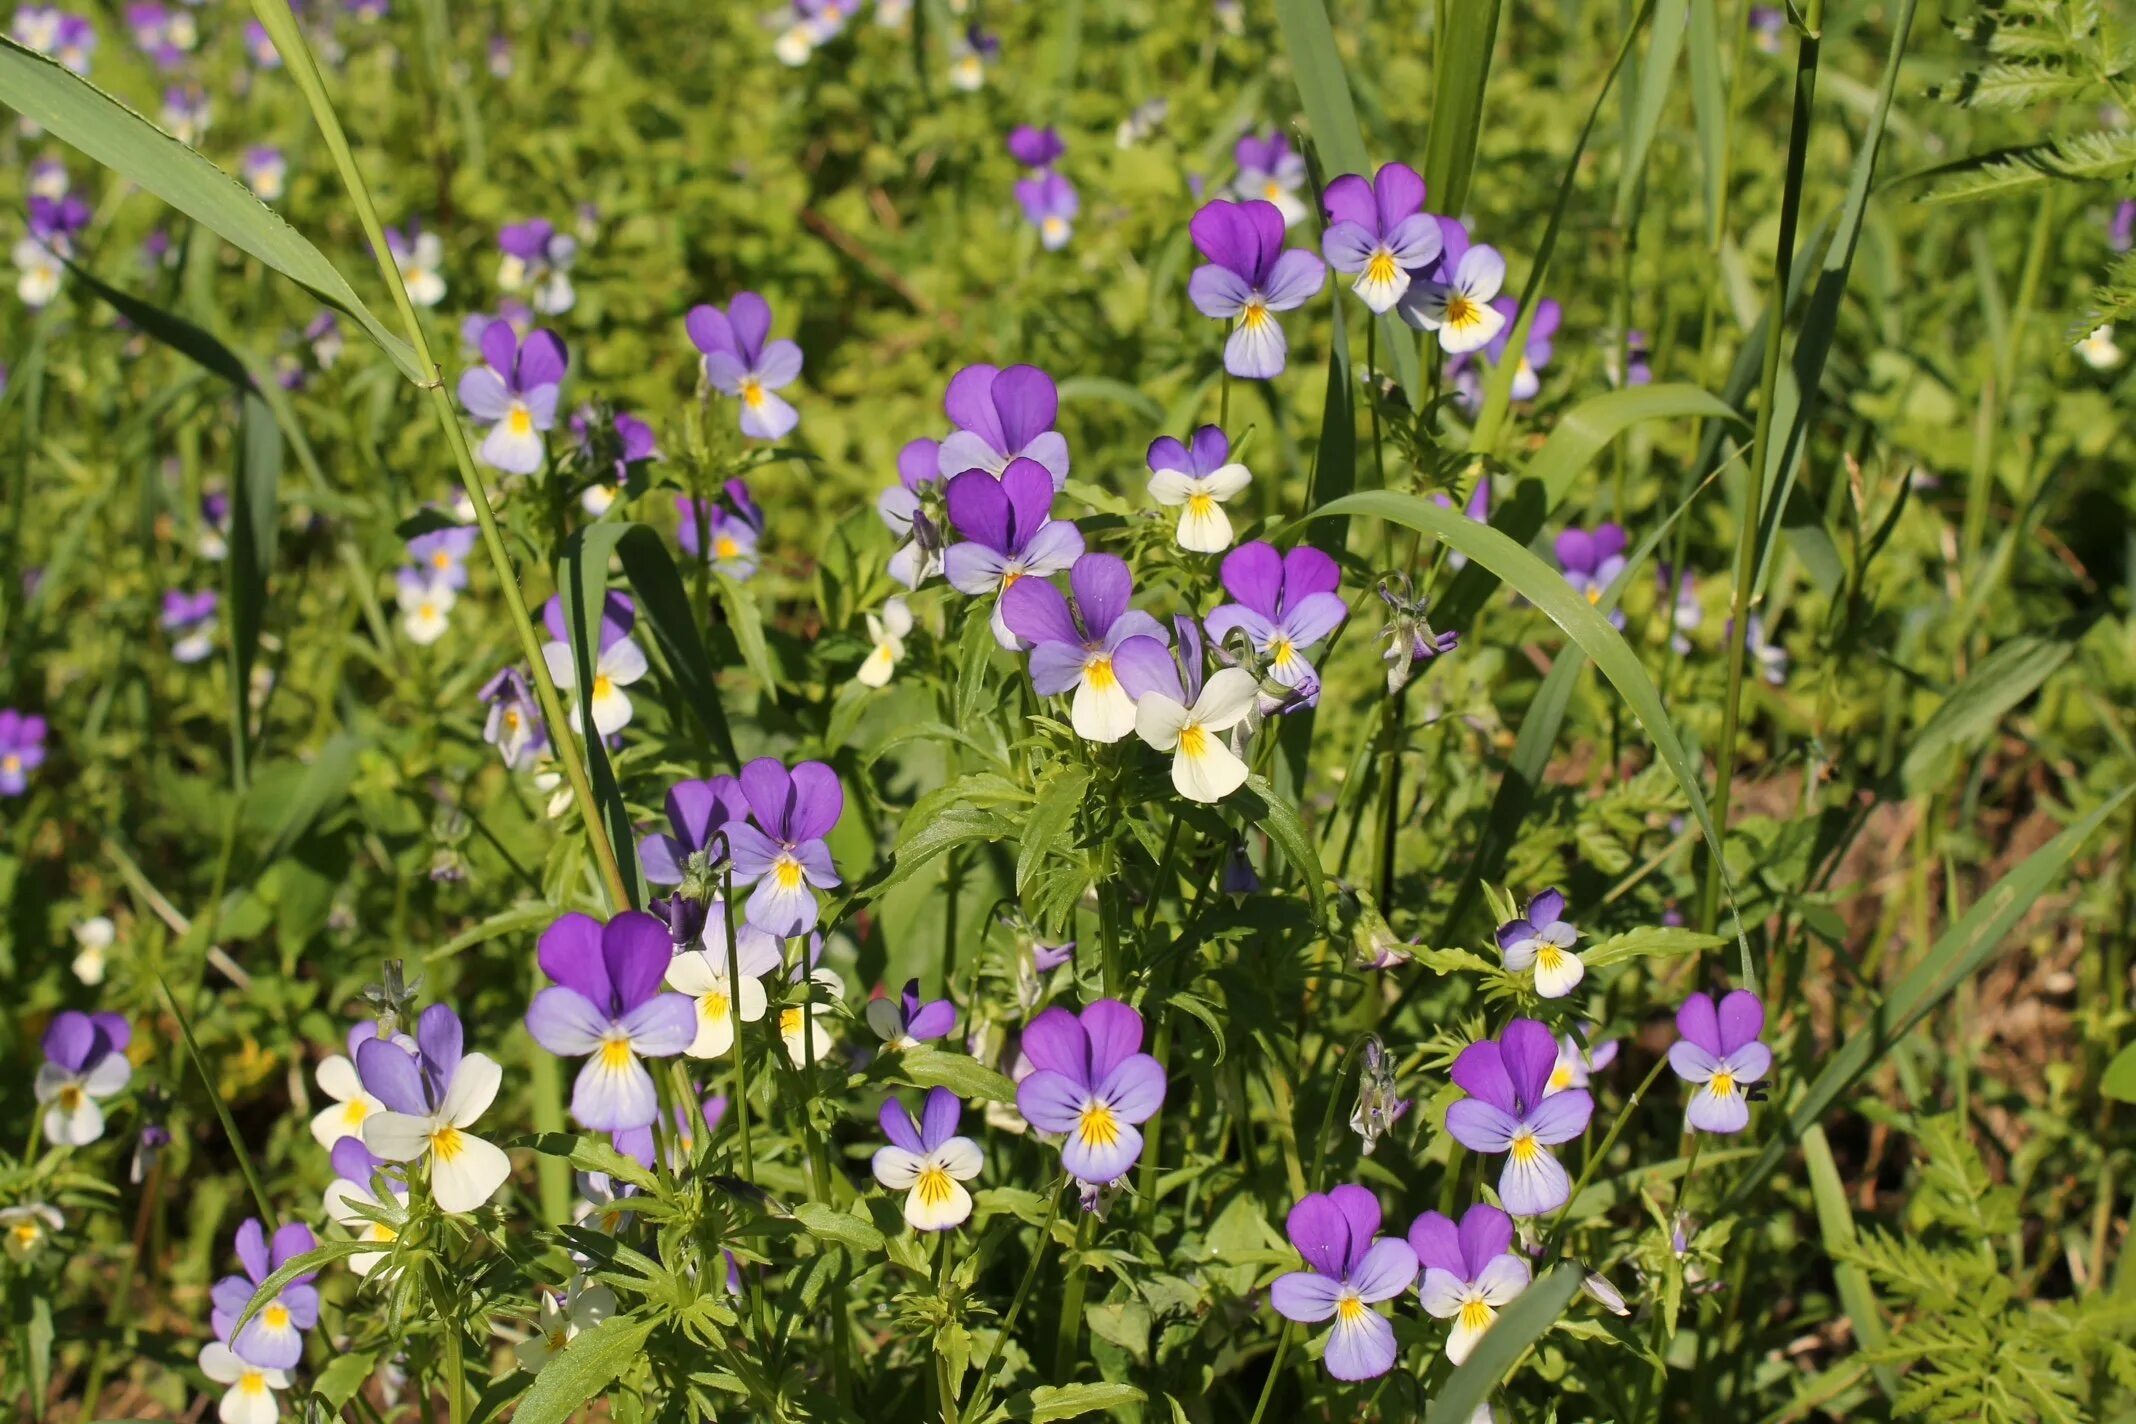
455,1375
1595,1158
1071,1327
977,1409
1275,1370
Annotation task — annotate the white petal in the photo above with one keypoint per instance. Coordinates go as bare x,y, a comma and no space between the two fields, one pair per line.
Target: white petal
1102,714
397,1137
473,1175
562,670
896,1168
1226,698
611,712
942,1213
624,662
473,1089
1158,720
960,1157
219,1363
1209,775
1225,481
1557,973
1203,526
1170,487
338,1080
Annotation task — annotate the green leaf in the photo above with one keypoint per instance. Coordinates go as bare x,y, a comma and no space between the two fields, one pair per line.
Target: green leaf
747,621
1461,66
324,1254
1659,942
1060,796
1518,1326
1835,1221
590,1363
1048,1402
77,112
2119,1083
592,1154
975,662
965,1076
1280,819
828,1222
1709,109
937,834
1656,74
345,1374
253,527
1996,684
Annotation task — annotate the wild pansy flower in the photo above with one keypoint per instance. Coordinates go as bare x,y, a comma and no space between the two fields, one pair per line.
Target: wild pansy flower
1249,277
683,855
48,179
1470,1272
352,1104
1196,480
806,1038
1591,563
919,482
442,554
1767,24
514,725
907,1021
1035,147
164,36
783,853
186,113
1686,613
608,1006
260,46
969,56
432,1097
1454,298
1188,718
537,259
22,750
1270,171
40,257
323,332
1002,415
1352,1269
928,1161
1509,1109
1050,204
887,632
93,939
425,605
1102,650
632,444
66,37
25,1229
265,171
250,1396
275,1336
1535,354
1577,1063
1010,534
582,1305
368,11
517,315
1543,939
85,1060
701,974
731,545
1719,1052
1379,233
1092,1084
2098,350
618,662
214,543
1284,604
419,255
739,362
515,395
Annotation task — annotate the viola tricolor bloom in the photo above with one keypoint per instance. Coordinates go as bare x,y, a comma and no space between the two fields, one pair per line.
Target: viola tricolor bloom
1248,278
607,1005
1270,171
515,395
783,853
907,1021
1197,480
442,554
1102,650
887,632
1050,204
25,1229
265,171
275,1336
432,1097
1577,1063
928,1161
1092,1084
1591,563
583,1305
186,113
323,333
969,56
514,726
425,605
696,810
729,541
739,362
48,179
1470,1272
537,259
260,46
1035,147
1454,298
351,1104
1204,767
1284,604
1352,1269
919,474
250,1396
701,975
1719,1052
1010,534
40,257
419,255
1510,1109
85,1060
1535,354
806,1037
1379,233
22,750
1002,416
93,939
618,662
1543,939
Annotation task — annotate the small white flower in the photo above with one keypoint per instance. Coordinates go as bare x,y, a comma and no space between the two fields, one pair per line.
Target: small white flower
888,633
1203,767
2098,349
1460,310
620,664
583,1306
95,937
25,1229
41,270
419,269
351,1107
426,608
73,1118
702,974
250,1396
1203,525
814,1042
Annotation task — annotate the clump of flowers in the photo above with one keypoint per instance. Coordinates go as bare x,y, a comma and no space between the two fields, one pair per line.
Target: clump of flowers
433,1096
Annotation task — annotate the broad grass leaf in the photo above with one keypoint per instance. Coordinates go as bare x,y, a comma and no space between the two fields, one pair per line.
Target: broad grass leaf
1518,1326
578,1373
747,622
2001,680
1461,67
1835,1221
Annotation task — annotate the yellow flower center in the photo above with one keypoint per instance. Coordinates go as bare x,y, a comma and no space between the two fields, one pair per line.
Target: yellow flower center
1098,673
25,1234
426,611
252,1382
446,1143
1525,1149
1201,506
1594,593
752,392
725,547
789,1022
519,420
442,559
1054,228
71,1097
615,1053
603,686
1255,316
714,1005
1561,1076
1380,268
1476,1314
10,762
933,1186
1009,577
1097,1125
1281,651
787,871
1350,1309
1271,190
1722,1084
275,1317
379,1231
1193,741
1550,958
511,720
1460,311
558,1337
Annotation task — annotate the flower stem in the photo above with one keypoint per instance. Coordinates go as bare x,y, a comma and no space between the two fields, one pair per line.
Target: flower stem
1071,1328
977,1409
1594,1158
1275,1369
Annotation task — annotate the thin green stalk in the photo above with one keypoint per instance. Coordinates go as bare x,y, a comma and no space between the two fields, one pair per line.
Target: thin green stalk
1071,1326
1595,1158
1275,1370
455,1375
222,1109
1753,510
977,1408
288,36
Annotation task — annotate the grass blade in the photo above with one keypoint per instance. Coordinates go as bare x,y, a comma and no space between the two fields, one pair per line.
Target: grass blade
1460,70
1656,76
2006,677
1835,1222
1518,1326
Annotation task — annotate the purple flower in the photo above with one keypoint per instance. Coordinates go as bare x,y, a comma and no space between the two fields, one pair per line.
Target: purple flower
1543,940
1719,1051
442,553
85,1060
1248,277
537,258
1470,1271
432,1097
517,315
1577,1063
274,1338
68,38
1106,652
22,750
1092,1084
1352,1269
324,333
928,1161
2121,229
515,395
163,35
1379,233
696,810
740,363
260,47
515,727
1454,296
185,113
783,853
1270,171
608,1005
907,1021
48,179
1035,147
1508,1109
1049,203
1197,480
190,620
732,543
1283,603
1010,534
265,171
1591,562
919,476
1002,416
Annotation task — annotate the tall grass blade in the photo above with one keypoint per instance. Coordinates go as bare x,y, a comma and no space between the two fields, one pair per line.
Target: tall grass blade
1460,71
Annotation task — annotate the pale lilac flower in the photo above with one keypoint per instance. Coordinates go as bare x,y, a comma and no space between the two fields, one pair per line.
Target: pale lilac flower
618,662
420,255
1471,1272
48,180
432,1097
1197,480
189,618
84,1061
928,1161
2121,230
907,1021
515,314
265,171
739,362
1270,171
250,1396
1352,1269
66,37
274,1338
1591,563
260,47
1453,299
1769,657
324,334
500,57
1577,1063
1509,1109
186,113
426,604
1379,233
1092,1085
1010,534
1285,604
25,1229
731,546
1249,277
442,553
696,811
1543,940
1050,204
514,725
165,36
783,853
904,509
537,260
1002,415
514,394
1720,1053
1102,650
22,750
607,1005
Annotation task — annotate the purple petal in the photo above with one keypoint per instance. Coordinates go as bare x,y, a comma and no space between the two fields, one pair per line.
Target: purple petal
918,463
1576,551
1305,1296
979,509
662,1026
1056,1043
818,802
542,361
1486,1233
439,1035
1144,665
291,1240
1362,1349
570,954
1050,1101
1481,1074
1547,908
935,1020
389,1073
749,315
1437,1242
1609,541
1349,199
895,1119
565,1022
1529,1052
1253,575
969,403
1697,1022
1135,1088
769,788
1037,612
1320,1231
1741,1020
70,1040
1561,1116
252,1250
1028,486
1307,620
939,1117
1386,1270
1296,276
1165,453
1217,291
1211,449
1221,235
1480,1126
500,348
1054,546
1398,193
1362,1210
1026,401
698,808
1055,667
1102,587
1307,571
1114,1031
709,330
636,948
